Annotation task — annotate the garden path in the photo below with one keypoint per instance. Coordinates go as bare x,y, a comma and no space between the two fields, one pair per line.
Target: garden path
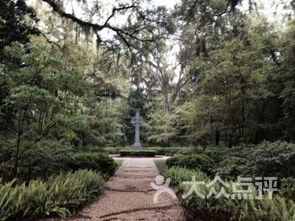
129,196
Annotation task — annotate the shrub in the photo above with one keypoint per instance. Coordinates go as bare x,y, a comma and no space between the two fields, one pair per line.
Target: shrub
137,153
287,188
116,150
216,154
276,209
92,161
222,208
59,196
207,208
266,159
47,157
55,158
171,151
179,175
195,161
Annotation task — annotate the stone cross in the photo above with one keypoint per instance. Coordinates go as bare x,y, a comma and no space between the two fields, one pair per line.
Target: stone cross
137,121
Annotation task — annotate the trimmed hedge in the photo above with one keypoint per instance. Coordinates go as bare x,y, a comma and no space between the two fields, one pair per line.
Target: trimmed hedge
195,161
137,153
59,196
171,151
167,151
115,150
92,161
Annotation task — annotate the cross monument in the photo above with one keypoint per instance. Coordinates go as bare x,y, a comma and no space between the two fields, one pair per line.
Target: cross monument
137,121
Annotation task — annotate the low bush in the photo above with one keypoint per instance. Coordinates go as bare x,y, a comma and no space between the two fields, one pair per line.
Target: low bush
287,188
206,209
167,151
195,161
59,196
92,161
137,153
216,154
223,209
179,175
115,150
276,209
171,151
265,159
46,158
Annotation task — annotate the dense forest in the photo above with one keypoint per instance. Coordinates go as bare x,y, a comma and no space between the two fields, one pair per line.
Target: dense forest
204,74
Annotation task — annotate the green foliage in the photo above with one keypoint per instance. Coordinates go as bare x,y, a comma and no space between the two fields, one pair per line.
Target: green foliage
52,101
115,150
287,188
266,159
195,161
170,151
160,129
237,98
221,208
12,23
217,154
107,124
92,161
167,151
56,157
180,174
209,208
277,209
286,76
53,155
58,196
137,153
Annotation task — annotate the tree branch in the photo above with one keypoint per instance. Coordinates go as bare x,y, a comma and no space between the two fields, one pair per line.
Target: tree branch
125,36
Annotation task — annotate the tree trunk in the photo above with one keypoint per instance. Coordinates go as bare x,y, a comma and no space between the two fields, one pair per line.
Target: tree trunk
18,141
217,138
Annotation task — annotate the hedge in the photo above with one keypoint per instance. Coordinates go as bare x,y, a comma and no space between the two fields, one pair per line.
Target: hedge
195,161
137,153
92,161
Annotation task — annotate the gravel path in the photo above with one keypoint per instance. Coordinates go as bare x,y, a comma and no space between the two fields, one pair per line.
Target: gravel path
129,196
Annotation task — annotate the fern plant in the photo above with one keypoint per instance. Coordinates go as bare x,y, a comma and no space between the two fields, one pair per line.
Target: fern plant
58,196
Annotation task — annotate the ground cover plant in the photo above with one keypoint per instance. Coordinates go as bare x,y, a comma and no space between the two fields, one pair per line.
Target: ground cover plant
60,195
222,208
192,161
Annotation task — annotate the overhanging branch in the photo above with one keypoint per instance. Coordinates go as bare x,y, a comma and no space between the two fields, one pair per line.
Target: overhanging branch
124,35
